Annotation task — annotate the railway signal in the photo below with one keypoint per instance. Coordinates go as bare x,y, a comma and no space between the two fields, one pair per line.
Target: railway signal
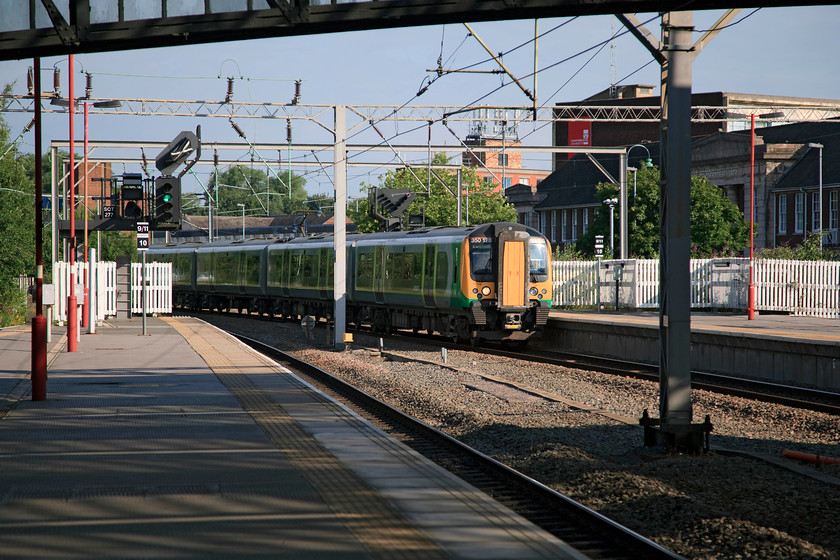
167,203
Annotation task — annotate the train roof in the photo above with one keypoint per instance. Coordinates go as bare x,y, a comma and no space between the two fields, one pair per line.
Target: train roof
418,234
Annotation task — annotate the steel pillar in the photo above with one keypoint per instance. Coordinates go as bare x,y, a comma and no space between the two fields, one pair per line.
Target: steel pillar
675,242
340,225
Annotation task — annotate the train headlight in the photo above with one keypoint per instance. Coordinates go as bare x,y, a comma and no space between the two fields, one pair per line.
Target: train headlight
485,290
475,290
533,291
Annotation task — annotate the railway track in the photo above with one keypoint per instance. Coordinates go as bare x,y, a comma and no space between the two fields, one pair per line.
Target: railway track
593,534
788,395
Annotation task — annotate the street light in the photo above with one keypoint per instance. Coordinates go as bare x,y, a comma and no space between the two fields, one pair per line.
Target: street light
820,148
648,162
612,202
243,218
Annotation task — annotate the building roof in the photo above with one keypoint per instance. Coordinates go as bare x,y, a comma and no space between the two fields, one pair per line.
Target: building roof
573,184
805,172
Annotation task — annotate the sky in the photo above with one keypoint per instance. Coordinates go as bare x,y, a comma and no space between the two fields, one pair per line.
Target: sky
779,51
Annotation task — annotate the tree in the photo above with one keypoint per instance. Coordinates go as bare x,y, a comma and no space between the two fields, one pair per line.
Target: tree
717,225
437,197
261,194
17,230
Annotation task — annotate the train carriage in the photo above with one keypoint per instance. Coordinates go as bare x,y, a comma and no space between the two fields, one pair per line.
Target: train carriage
489,282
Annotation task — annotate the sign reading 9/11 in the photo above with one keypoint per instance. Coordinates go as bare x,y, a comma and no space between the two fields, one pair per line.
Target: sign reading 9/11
143,240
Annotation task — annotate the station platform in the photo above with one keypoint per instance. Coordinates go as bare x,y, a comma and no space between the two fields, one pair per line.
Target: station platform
776,348
185,443
764,324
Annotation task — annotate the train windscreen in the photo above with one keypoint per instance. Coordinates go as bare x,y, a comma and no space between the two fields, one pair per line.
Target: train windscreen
538,251
481,259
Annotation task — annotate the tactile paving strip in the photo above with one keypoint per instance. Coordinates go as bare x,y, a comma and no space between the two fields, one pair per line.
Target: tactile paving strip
380,527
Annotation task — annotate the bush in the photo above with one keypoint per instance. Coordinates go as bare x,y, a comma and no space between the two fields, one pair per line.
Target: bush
12,306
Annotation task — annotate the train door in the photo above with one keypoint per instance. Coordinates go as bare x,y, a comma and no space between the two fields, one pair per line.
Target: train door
513,269
429,275
379,274
443,282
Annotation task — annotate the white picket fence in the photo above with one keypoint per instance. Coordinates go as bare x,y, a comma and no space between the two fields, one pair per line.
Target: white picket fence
158,288
798,287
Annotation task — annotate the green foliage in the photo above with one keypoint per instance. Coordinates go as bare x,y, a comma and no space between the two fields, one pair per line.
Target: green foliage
437,197
117,244
12,305
261,194
568,253
717,225
17,230
808,251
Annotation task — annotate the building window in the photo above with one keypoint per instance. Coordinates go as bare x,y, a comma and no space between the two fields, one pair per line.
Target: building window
782,202
815,212
799,214
503,160
525,181
585,219
574,224
833,216
542,223
506,182
563,236
553,226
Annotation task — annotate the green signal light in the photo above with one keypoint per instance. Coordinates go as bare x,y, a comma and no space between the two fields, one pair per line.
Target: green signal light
167,197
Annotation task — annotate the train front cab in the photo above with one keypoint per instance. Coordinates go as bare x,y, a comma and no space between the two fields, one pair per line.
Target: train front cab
506,276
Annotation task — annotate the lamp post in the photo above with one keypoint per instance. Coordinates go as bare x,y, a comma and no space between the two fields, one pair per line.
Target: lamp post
751,288
72,323
820,148
243,219
648,161
612,202
633,169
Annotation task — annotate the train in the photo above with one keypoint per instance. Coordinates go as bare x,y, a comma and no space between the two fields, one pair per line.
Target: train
489,282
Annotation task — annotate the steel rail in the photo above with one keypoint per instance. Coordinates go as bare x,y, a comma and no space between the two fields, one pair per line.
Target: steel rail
588,531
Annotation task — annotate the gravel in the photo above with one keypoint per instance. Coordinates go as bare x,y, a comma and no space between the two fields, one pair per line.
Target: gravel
714,506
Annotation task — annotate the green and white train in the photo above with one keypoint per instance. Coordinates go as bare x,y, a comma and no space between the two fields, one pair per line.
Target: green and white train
490,281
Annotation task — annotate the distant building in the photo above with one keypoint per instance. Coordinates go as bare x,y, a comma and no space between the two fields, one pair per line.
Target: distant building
501,167
717,107
98,183
786,180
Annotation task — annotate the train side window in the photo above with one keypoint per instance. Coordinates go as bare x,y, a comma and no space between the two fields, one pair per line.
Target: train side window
275,268
307,265
252,269
364,273
416,270
181,269
224,269
296,268
204,268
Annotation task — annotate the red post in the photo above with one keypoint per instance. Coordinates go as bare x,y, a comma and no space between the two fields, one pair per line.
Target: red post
39,322
72,321
751,289
85,210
